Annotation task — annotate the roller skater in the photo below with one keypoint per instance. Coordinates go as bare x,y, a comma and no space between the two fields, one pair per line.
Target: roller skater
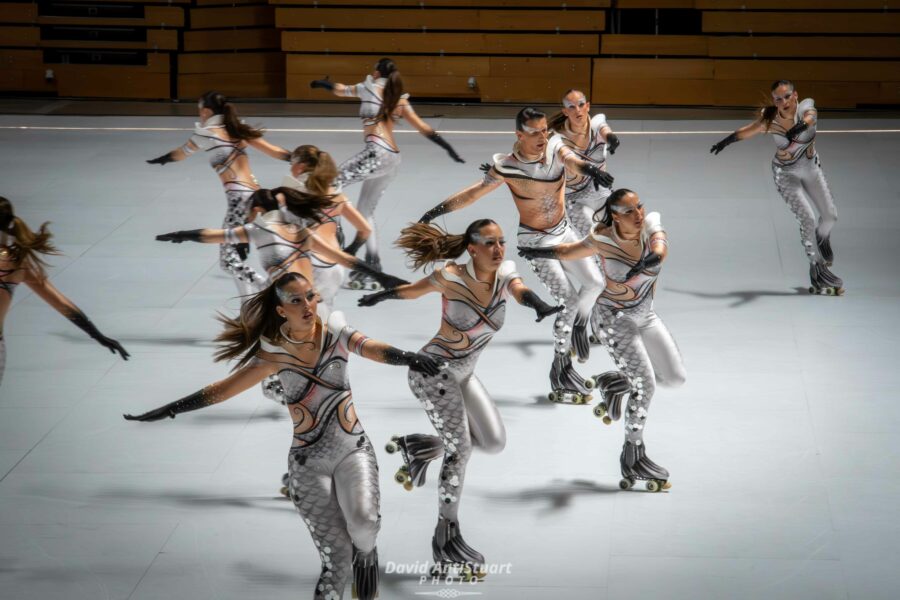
382,104
632,247
799,178
474,296
535,173
333,478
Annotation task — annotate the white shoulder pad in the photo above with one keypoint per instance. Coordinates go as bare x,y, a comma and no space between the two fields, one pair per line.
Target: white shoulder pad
555,144
336,322
499,161
204,138
652,224
598,122
507,272
806,105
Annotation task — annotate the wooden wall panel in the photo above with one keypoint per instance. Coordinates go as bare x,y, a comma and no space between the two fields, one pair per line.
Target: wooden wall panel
20,36
18,12
236,39
797,4
234,62
805,46
832,70
429,4
234,85
662,45
648,68
238,16
800,22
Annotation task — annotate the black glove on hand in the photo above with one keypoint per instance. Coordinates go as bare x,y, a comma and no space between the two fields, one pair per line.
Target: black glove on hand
719,146
612,142
386,281
353,247
373,299
532,300
322,83
434,213
417,361
82,322
161,160
796,130
600,177
549,252
435,137
195,401
176,237
647,261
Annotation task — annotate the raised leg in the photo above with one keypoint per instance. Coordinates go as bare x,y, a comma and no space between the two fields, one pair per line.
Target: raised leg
231,261
485,423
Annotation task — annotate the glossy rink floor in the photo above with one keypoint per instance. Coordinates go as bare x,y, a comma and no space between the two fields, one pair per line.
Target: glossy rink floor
782,445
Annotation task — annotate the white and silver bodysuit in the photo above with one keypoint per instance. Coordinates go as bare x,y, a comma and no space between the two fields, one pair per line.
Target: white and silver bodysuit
582,200
333,473
222,154
635,337
458,405
377,163
801,182
6,288
575,284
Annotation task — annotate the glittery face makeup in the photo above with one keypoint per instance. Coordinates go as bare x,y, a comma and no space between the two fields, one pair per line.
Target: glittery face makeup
534,130
580,103
626,209
488,240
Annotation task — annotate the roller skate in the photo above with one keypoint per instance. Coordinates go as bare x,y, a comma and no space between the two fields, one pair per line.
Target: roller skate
613,386
567,385
452,555
285,485
824,244
581,341
365,574
417,451
363,281
635,465
824,282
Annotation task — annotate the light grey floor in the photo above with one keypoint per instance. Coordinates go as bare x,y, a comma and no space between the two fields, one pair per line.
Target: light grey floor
782,445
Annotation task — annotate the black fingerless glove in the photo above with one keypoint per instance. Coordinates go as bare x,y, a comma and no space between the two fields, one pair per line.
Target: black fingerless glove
541,308
353,247
417,361
161,160
435,137
600,177
548,252
176,237
647,261
322,83
386,281
719,146
373,299
434,213
612,142
195,401
81,321
796,130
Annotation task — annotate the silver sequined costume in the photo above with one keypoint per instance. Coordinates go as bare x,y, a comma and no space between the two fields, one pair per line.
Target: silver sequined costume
635,337
333,473
582,200
6,287
458,405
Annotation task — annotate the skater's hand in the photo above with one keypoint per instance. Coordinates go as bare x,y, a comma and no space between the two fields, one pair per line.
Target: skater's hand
373,299
721,145
435,137
546,311
532,300
113,346
324,84
176,237
599,177
529,253
353,247
389,281
612,142
157,414
647,261
161,160
423,363
796,130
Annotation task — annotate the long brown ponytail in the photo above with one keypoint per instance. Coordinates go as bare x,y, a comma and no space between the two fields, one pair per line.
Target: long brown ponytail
393,88
240,339
310,207
770,110
425,242
220,105
28,245
320,168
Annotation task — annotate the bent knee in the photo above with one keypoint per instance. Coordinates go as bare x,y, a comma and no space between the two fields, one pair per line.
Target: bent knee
674,379
494,443
363,528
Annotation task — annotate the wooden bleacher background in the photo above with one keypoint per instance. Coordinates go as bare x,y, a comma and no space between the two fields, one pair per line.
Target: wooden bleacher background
845,53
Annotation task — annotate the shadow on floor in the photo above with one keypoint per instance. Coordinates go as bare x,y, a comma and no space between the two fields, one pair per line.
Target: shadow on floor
557,495
741,297
200,501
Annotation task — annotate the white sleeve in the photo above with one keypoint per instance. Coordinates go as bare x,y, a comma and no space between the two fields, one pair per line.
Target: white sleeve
652,224
598,122
203,138
806,105
507,272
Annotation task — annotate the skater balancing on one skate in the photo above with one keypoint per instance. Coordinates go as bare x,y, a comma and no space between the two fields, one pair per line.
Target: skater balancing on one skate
474,296
632,246
591,138
333,471
535,172
799,178
226,138
382,104
313,171
22,253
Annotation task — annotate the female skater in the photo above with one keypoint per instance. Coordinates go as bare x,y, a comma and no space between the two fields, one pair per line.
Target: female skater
333,471
21,262
632,248
590,138
474,298
314,171
799,178
287,246
221,133
382,104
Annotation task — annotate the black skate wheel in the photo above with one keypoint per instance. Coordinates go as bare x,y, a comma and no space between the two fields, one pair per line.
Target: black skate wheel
625,484
552,397
391,447
812,290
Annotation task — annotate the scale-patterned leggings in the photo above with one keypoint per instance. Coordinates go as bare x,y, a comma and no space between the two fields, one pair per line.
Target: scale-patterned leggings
803,187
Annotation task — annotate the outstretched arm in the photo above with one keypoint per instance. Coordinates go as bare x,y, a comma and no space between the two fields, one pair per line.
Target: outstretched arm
206,236
272,150
659,249
745,132
491,182
239,381
326,250
338,89
611,139
387,354
408,291
568,251
179,153
527,297
425,129
360,224
47,292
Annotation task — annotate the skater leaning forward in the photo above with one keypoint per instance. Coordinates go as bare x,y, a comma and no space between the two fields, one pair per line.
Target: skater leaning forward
632,247
474,296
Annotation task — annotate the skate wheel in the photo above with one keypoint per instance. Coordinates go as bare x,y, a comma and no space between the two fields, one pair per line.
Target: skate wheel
839,292
625,484
607,420
812,290
652,486
401,477
589,383
391,447
284,491
408,486
593,340
552,397
355,285
599,411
